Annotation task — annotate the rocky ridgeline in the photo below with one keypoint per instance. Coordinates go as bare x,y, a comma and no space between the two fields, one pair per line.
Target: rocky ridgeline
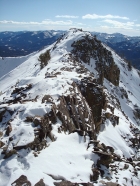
80,111
83,110
89,47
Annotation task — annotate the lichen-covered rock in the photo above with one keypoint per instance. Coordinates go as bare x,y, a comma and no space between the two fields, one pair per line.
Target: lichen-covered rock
22,180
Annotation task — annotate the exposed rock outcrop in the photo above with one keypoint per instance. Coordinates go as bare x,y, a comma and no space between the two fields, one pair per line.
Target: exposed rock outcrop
95,98
40,183
68,183
75,113
90,47
22,180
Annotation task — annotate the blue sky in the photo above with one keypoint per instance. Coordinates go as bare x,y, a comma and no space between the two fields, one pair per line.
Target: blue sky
108,16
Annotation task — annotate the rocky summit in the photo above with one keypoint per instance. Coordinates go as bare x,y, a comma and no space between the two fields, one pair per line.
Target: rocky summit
70,116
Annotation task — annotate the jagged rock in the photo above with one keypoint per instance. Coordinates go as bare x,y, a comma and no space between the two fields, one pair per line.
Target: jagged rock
72,112
20,147
10,153
29,119
138,164
19,90
47,98
105,158
107,115
8,130
80,132
109,148
2,144
114,120
95,175
40,183
37,121
116,157
4,149
1,134
68,183
10,138
64,115
99,146
126,166
2,112
52,116
95,98
22,180
86,48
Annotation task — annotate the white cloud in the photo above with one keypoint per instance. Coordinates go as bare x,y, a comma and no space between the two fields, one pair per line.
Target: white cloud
45,22
109,16
66,16
118,24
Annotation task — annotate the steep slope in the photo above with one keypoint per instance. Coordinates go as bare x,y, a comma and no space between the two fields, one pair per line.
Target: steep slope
73,122
9,63
126,46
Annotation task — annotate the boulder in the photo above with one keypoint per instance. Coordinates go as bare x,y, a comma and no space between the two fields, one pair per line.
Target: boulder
1,134
47,98
107,115
40,183
8,130
22,180
10,153
2,112
29,119
105,158
2,144
95,175
126,166
37,121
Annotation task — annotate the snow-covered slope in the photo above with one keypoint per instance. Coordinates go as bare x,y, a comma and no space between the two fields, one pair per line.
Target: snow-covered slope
7,64
68,122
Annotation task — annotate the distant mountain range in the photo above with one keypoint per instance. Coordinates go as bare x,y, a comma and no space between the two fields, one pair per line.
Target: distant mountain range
126,46
21,43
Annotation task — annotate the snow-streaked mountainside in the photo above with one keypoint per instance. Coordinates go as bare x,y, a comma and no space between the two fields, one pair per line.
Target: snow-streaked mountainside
75,121
126,46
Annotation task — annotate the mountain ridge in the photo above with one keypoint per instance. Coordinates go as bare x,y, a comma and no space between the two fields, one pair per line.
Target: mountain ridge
70,122
15,43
